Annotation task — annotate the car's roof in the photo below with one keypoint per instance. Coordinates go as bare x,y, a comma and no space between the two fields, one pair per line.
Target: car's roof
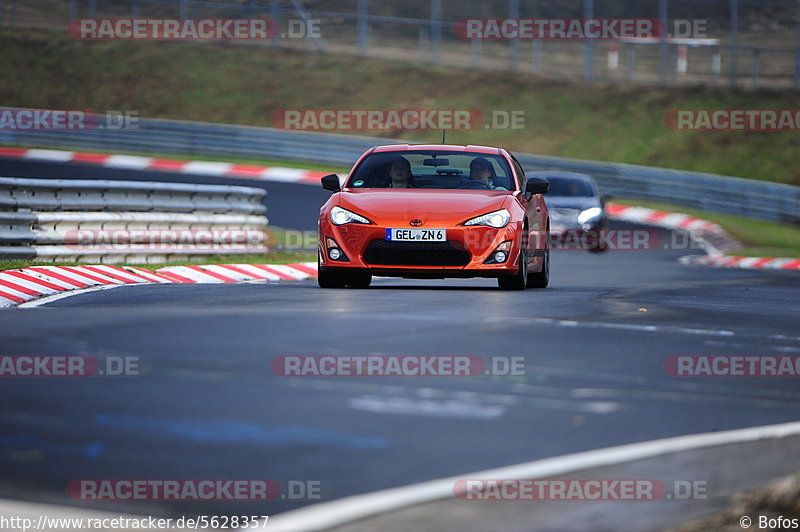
438,147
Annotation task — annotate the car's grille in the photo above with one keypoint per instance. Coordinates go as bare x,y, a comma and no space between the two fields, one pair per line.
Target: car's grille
383,253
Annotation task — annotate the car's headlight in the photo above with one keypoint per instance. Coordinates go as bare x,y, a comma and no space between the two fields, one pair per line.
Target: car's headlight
341,216
589,215
496,219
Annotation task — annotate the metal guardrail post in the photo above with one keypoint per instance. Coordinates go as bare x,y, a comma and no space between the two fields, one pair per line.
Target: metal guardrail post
537,49
513,44
797,51
716,64
756,66
363,27
630,61
734,39
275,15
476,50
662,45
588,44
436,31
424,53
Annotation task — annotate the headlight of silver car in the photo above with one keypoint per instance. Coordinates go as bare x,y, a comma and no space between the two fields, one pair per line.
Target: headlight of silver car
589,215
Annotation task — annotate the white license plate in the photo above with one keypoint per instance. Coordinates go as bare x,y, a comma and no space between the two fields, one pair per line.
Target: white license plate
416,235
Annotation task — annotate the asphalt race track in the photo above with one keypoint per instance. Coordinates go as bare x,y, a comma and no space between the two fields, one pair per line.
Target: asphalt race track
209,406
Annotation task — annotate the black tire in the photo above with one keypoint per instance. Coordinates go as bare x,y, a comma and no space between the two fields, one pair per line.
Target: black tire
358,280
541,279
329,279
516,281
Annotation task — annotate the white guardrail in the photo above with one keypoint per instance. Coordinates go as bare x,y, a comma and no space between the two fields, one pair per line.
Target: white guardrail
127,221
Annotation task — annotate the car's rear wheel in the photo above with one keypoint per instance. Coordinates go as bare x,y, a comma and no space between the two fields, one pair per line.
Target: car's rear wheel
358,280
541,279
519,280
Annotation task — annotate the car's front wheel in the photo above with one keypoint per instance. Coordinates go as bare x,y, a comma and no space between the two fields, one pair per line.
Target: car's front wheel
519,280
358,280
541,279
329,279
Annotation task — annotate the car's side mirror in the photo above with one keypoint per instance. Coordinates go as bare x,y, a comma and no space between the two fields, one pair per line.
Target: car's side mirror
331,182
535,185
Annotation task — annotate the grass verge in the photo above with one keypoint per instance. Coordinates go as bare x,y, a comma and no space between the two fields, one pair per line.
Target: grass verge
222,82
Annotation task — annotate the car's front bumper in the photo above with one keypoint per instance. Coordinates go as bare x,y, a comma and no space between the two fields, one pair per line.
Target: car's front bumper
468,251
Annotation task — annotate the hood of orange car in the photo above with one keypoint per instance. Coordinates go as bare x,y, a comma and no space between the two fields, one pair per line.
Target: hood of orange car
427,205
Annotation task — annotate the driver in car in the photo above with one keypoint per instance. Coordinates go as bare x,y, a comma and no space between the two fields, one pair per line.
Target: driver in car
480,169
400,174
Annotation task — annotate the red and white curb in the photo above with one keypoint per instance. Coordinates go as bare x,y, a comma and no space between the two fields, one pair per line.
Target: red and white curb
731,261
713,238
134,162
28,284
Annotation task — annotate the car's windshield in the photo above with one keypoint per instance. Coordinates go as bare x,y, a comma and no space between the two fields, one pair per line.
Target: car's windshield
568,186
433,169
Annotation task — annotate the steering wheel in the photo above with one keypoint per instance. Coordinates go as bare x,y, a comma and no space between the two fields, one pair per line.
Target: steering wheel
475,184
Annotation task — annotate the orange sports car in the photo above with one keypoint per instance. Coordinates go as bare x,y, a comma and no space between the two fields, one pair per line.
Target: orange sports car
432,212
